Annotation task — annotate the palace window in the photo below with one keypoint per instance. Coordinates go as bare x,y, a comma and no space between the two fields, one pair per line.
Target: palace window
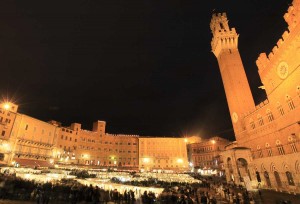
280,147
260,153
270,115
290,179
290,102
252,124
269,150
260,120
292,142
280,109
270,153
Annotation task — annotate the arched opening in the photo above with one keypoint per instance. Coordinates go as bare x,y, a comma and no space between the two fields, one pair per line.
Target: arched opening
243,170
277,178
267,178
1,156
290,178
258,176
229,163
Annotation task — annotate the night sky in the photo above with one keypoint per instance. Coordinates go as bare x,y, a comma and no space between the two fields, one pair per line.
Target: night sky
143,66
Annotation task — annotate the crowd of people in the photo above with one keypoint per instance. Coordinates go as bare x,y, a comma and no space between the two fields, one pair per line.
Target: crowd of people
209,191
70,191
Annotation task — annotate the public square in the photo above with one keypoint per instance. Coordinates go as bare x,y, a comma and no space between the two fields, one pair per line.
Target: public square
150,102
63,185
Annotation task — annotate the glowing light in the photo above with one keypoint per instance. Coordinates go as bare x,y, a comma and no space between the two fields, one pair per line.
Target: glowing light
179,160
51,161
191,164
185,140
146,160
6,146
6,106
213,141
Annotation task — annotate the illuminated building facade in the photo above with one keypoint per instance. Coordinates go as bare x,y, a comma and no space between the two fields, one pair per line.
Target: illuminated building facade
163,154
204,156
32,140
8,112
96,148
267,134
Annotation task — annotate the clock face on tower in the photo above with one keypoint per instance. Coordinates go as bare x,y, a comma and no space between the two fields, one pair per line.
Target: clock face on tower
234,117
282,70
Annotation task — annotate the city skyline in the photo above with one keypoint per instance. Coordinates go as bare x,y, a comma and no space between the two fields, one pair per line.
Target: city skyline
146,69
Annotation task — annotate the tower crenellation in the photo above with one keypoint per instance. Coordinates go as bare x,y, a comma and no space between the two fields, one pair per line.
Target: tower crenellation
262,62
292,17
224,37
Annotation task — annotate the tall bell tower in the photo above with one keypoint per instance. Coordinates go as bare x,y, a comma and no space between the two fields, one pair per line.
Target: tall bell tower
225,47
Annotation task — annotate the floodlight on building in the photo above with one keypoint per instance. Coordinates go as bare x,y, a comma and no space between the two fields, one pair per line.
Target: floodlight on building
146,160
6,106
6,146
179,160
213,141
185,140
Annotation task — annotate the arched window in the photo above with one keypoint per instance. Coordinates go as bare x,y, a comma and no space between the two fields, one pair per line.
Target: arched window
280,147
270,115
292,142
259,151
252,124
260,120
290,102
290,179
280,109
269,150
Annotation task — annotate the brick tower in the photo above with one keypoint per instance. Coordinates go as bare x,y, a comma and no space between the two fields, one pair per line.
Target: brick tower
238,93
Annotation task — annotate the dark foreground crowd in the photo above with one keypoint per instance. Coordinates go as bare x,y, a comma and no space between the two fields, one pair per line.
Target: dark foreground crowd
70,191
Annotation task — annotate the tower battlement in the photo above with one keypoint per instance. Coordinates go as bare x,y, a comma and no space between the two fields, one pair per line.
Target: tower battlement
224,37
263,60
292,17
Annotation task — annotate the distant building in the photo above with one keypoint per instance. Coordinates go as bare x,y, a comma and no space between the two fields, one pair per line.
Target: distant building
162,154
267,134
32,141
8,112
204,156
27,141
